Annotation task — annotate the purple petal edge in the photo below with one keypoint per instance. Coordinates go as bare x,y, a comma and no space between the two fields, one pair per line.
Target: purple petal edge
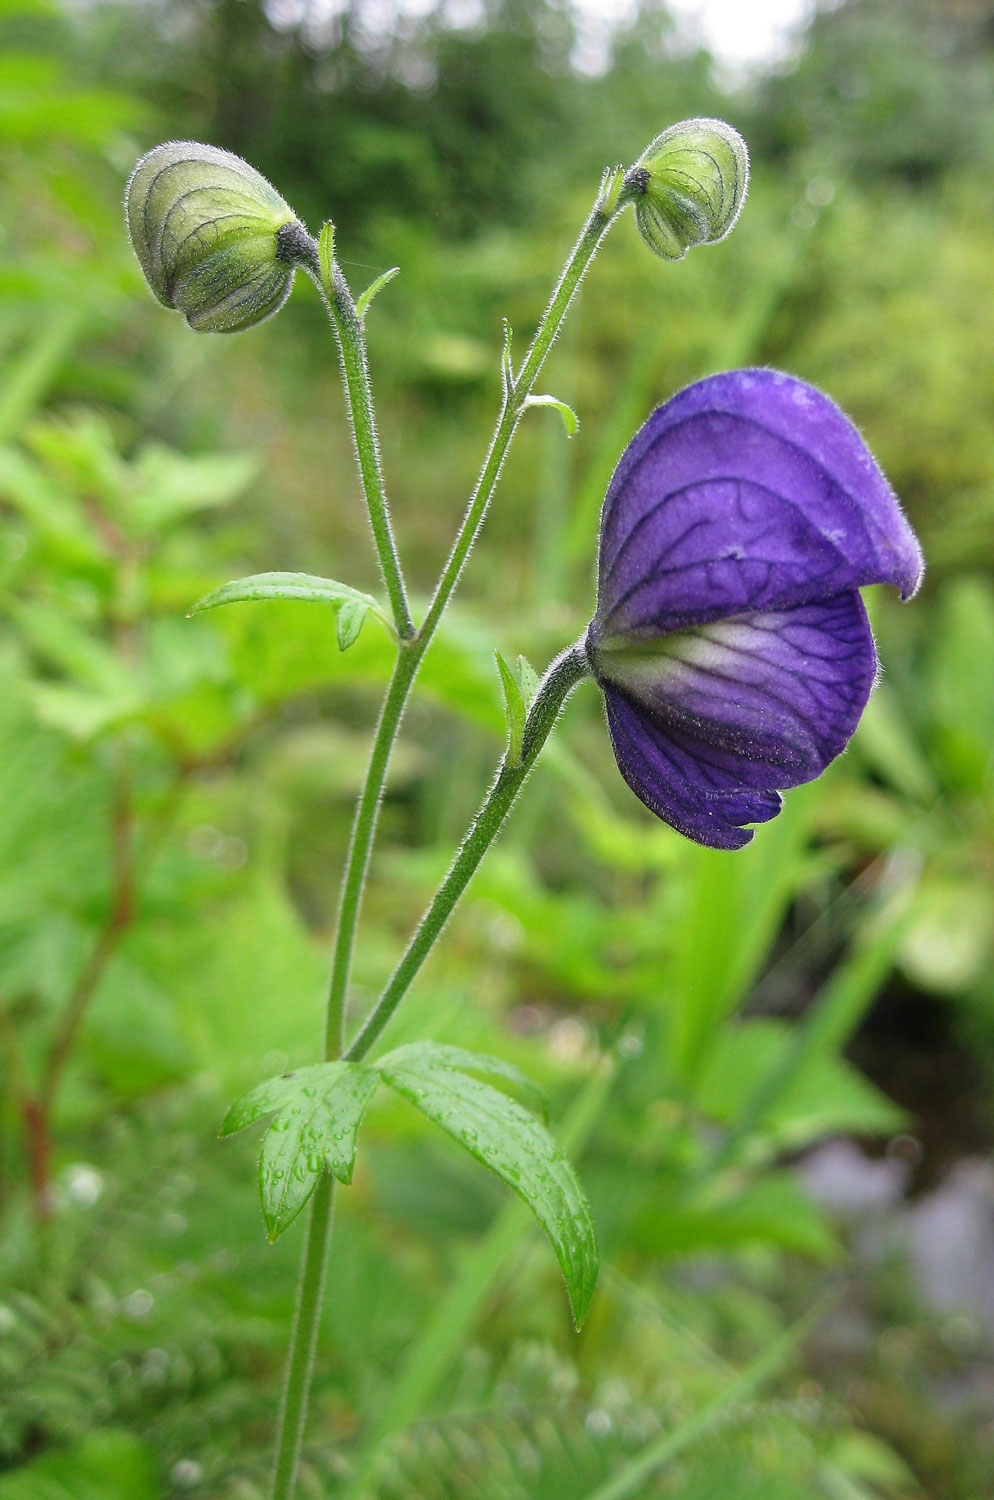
709,732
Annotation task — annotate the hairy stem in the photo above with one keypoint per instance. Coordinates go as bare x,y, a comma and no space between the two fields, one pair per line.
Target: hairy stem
516,393
363,828
412,652
303,1339
351,340
562,677
413,645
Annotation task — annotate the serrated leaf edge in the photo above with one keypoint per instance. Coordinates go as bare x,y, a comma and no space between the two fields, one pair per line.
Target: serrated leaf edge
580,1278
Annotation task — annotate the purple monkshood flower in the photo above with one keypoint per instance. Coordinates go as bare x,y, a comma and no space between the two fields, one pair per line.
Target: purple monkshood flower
730,639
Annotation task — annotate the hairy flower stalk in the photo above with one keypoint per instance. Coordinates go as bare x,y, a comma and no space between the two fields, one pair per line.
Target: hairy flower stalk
516,390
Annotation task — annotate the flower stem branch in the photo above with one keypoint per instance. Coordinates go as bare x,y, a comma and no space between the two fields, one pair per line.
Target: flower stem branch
413,650
561,678
566,671
515,395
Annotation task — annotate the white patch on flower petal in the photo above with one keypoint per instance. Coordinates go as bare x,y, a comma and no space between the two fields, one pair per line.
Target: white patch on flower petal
723,648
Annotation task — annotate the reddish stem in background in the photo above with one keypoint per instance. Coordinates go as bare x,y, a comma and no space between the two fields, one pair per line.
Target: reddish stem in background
39,1148
37,1107
37,1110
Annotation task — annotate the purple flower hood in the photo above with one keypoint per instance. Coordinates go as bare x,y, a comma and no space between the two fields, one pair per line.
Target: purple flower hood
730,639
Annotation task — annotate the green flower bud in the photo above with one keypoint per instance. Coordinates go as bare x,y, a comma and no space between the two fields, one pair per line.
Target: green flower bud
214,239
688,186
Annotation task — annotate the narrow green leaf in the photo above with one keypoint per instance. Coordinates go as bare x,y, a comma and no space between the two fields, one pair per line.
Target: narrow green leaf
528,678
319,1111
28,377
514,710
442,1055
506,367
366,297
631,1479
351,618
519,1150
570,419
326,256
305,586
818,1038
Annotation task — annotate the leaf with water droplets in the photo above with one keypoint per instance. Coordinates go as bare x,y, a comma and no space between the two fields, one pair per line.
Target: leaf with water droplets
442,1055
508,1140
319,1111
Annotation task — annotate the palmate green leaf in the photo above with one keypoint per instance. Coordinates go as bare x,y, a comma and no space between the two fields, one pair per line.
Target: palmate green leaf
302,586
773,1211
805,1096
106,1464
515,1146
167,487
68,645
35,495
318,1114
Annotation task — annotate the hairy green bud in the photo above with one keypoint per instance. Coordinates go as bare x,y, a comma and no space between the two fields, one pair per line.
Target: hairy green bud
688,186
214,238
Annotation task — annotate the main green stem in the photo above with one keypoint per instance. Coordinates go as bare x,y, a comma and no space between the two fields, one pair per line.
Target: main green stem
412,651
361,842
412,647
303,1339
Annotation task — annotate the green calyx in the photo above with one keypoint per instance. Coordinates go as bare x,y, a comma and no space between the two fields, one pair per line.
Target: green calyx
213,237
688,186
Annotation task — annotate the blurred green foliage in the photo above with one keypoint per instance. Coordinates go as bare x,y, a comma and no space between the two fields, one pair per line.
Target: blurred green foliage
176,793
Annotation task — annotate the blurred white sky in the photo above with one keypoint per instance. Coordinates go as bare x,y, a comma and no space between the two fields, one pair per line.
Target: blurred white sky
740,33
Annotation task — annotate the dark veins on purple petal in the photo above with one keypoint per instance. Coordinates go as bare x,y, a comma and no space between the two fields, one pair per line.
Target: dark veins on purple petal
708,731
747,491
